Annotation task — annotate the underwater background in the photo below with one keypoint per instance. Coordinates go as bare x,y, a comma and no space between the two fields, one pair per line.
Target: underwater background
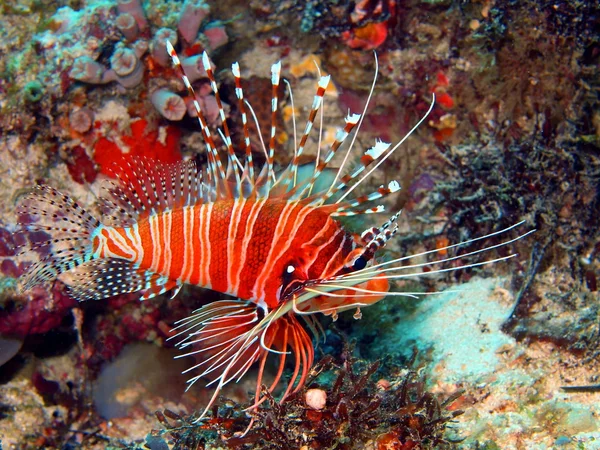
502,356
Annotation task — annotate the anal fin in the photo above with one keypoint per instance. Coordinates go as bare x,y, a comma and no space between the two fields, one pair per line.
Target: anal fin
160,285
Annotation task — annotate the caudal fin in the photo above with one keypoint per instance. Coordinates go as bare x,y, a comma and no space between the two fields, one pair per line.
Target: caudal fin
66,238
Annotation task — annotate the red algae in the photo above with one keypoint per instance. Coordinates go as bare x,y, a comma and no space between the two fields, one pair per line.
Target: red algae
38,314
142,142
80,166
368,37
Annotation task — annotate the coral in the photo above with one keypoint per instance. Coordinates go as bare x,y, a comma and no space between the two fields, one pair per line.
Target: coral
87,70
127,67
368,37
36,312
79,57
159,48
128,26
170,105
10,242
135,8
80,165
216,36
315,398
81,119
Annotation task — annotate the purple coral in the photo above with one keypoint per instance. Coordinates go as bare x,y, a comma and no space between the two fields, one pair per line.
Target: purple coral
159,48
41,312
192,15
8,246
127,25
87,70
170,105
135,8
129,72
81,119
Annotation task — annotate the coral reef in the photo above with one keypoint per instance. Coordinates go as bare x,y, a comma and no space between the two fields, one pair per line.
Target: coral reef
514,135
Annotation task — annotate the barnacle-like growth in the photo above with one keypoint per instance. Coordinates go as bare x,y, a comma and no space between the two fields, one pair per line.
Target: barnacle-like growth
358,411
33,92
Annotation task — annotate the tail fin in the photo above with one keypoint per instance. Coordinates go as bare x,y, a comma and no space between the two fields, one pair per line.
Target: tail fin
66,241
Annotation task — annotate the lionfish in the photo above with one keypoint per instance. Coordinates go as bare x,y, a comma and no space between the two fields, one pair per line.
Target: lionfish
270,239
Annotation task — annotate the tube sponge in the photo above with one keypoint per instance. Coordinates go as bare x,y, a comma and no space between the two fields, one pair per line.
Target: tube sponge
170,105
216,35
127,67
159,48
133,7
192,15
87,70
81,119
194,68
127,25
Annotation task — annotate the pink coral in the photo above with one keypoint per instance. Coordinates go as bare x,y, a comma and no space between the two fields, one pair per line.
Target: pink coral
194,68
170,105
81,119
192,15
135,8
159,48
217,36
87,70
127,25
129,71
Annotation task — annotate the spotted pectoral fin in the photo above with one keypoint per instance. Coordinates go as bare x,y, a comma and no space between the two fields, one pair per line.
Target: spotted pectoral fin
99,279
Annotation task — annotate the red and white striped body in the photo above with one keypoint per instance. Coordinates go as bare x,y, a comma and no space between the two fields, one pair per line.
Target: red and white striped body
238,247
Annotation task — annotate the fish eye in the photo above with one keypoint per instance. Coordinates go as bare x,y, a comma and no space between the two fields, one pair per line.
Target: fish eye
289,280
288,275
359,263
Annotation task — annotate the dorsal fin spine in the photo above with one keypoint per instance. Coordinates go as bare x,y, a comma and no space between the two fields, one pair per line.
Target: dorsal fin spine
232,159
317,102
239,92
275,78
342,134
218,173
369,156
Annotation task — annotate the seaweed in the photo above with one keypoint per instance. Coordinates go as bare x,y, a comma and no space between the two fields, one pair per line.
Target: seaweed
399,414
